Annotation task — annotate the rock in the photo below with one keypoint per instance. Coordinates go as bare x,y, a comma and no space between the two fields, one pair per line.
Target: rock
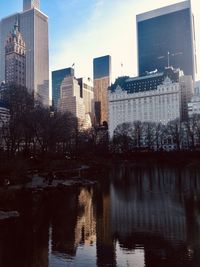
8,214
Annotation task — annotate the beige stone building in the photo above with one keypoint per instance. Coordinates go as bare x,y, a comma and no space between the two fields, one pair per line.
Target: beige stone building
101,99
102,80
15,58
70,100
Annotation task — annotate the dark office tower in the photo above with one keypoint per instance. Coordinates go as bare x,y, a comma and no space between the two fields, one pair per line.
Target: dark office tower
166,37
57,78
102,79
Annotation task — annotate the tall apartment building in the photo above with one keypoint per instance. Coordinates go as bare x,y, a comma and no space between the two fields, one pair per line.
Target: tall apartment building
33,25
102,80
166,37
87,93
70,100
159,97
15,58
57,78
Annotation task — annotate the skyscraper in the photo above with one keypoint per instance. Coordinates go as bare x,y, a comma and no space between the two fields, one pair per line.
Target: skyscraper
70,100
102,80
15,58
33,25
166,37
57,78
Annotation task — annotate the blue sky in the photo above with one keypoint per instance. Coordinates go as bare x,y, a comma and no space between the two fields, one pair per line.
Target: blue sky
80,30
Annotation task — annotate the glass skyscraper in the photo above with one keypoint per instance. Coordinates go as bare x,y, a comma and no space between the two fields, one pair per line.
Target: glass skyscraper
166,37
57,78
101,67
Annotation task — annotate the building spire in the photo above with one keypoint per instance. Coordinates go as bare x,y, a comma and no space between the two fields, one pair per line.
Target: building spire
16,26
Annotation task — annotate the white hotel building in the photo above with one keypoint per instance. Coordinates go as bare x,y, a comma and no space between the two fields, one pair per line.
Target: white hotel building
157,97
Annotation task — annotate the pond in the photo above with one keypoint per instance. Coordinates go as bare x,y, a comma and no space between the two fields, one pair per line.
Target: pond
142,215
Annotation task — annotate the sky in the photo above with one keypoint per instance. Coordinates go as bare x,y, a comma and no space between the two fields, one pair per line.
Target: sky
80,30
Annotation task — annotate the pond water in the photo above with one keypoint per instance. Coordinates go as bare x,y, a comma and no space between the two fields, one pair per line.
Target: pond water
140,216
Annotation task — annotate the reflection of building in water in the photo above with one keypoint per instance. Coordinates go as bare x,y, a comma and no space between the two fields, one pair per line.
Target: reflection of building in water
151,208
152,204
73,222
63,225
148,213
106,254
85,231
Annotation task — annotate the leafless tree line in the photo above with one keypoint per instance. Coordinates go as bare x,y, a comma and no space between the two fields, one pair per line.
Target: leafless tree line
32,128
175,135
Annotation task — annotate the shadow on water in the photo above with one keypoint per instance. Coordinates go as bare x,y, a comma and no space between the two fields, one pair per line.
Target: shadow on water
140,215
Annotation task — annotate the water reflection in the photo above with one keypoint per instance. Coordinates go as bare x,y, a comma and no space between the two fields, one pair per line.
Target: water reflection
24,242
63,224
157,209
140,216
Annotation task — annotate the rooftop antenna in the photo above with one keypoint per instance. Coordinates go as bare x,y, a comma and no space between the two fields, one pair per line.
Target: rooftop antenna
73,67
168,54
122,65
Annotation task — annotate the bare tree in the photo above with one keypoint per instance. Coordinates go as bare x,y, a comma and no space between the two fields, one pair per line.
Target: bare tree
21,104
190,130
122,138
137,133
149,134
174,130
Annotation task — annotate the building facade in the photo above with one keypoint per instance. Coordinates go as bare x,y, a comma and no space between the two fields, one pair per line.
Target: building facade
152,98
194,104
4,120
70,100
4,114
33,25
166,38
87,93
15,58
102,80
57,78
